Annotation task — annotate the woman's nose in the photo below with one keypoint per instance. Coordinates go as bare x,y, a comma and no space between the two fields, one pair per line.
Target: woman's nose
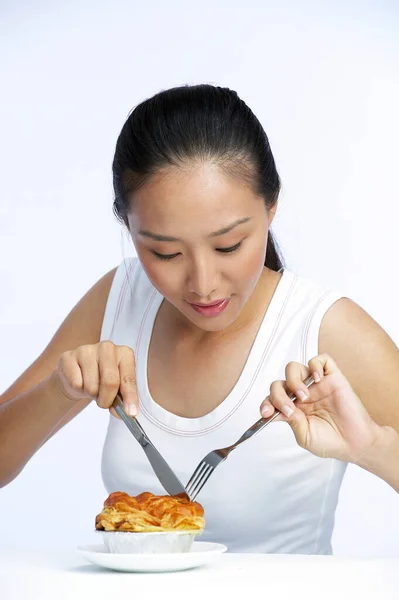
201,280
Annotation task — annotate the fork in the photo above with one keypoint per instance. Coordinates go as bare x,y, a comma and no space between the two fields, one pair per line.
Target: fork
209,463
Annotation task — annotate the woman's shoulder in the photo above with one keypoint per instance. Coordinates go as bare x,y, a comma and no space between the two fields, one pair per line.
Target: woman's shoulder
308,282
83,323
82,326
304,292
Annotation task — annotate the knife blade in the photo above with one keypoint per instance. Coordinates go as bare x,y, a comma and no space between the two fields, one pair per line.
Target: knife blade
162,470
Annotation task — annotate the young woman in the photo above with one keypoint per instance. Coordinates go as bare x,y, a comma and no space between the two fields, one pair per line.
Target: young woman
205,329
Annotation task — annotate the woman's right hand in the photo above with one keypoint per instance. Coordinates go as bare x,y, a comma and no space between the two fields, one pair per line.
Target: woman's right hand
100,371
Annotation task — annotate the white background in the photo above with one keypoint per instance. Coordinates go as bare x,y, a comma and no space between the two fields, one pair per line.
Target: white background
323,78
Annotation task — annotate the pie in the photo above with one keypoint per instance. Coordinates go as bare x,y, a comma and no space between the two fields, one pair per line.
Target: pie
147,512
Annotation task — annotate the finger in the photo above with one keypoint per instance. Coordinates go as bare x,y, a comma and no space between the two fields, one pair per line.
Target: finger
295,373
323,364
290,413
280,399
316,367
109,374
86,357
268,412
320,367
267,409
114,413
70,374
128,382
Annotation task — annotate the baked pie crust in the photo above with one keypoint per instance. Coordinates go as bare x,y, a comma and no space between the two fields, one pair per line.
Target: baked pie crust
146,513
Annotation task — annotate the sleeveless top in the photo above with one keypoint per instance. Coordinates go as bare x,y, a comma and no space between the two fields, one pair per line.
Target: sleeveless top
270,495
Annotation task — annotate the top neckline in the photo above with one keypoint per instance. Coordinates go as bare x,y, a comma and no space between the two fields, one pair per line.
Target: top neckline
186,426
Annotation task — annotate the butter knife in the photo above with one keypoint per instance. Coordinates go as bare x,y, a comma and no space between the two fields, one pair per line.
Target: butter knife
162,470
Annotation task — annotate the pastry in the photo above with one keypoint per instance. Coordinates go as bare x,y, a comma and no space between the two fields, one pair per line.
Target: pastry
149,513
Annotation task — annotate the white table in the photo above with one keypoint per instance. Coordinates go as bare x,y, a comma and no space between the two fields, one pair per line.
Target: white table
61,575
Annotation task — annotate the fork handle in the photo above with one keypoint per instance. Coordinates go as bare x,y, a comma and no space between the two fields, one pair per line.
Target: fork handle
259,425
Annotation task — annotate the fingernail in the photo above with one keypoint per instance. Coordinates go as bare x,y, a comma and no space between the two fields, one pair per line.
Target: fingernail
316,377
287,410
301,395
132,410
265,411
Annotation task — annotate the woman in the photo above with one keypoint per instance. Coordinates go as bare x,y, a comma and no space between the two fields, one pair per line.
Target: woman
199,328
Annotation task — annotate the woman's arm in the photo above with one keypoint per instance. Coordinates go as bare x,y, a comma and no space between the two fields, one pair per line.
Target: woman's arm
330,420
353,413
33,408
382,457
369,359
366,355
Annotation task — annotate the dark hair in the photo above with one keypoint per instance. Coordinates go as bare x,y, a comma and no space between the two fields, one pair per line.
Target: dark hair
200,122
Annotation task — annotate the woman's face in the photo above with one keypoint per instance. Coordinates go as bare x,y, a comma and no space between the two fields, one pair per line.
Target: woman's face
201,237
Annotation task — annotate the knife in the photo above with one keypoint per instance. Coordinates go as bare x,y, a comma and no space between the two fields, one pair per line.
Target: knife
162,470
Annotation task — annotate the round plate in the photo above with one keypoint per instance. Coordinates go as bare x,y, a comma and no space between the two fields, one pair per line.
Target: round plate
200,554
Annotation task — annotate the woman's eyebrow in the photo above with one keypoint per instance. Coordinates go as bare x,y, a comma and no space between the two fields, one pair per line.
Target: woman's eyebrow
167,238
230,227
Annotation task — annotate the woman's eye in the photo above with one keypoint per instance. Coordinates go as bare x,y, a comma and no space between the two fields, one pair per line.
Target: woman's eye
171,256
231,249
165,256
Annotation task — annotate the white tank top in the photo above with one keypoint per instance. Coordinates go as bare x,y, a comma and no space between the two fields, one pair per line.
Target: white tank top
270,495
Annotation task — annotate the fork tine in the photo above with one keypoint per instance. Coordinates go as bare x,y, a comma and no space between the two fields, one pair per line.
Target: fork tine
194,477
201,481
199,473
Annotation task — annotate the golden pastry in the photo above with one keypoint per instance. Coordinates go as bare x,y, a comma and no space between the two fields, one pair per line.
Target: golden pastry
146,512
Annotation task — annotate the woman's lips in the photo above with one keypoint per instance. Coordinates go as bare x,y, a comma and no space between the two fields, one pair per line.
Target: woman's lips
211,310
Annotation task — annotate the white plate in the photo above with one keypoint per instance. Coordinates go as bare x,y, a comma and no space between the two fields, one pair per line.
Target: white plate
200,554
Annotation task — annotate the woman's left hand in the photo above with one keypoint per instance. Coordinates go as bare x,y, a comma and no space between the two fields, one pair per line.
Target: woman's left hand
332,422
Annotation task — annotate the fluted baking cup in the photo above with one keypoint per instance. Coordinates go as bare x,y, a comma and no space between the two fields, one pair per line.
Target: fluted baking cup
153,542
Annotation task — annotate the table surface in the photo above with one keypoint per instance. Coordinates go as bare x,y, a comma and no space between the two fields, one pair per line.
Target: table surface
62,574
